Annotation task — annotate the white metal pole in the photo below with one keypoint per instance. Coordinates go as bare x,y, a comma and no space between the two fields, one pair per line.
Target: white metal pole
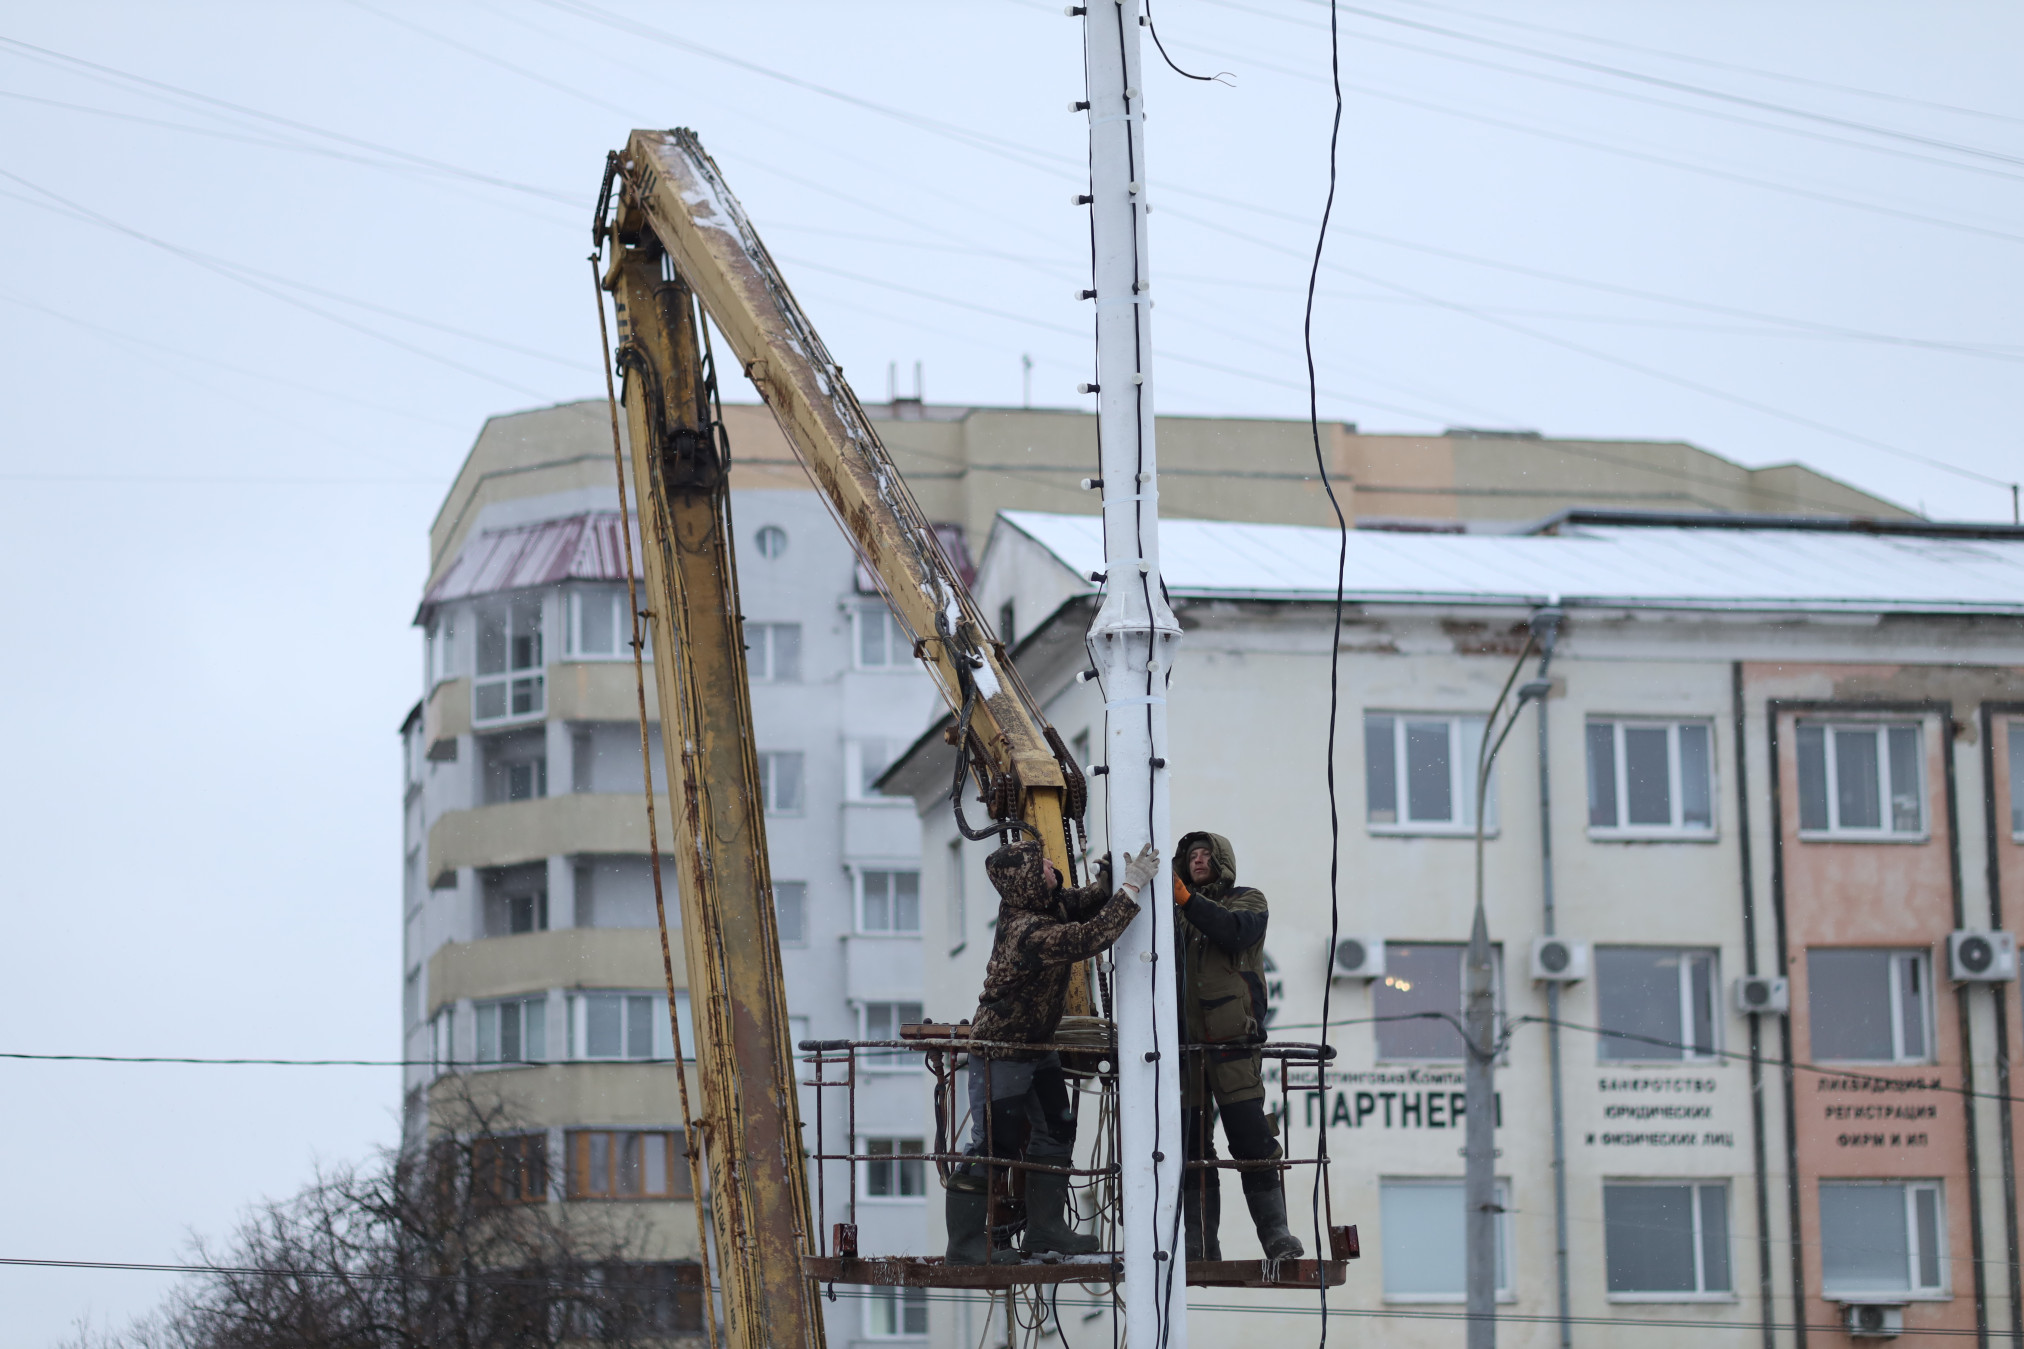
1132,644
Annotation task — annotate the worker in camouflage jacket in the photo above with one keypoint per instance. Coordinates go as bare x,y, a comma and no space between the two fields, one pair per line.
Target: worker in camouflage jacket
1220,934
1042,931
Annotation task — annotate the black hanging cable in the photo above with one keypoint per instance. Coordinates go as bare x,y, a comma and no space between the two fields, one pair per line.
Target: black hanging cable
1220,77
1335,645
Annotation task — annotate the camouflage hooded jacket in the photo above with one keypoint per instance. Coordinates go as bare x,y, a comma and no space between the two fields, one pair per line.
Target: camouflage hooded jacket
1042,932
1221,929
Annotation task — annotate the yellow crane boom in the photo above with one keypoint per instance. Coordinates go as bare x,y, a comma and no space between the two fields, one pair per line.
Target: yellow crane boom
679,239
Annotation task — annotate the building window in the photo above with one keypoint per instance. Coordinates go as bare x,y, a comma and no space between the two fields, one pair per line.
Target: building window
790,912
890,1313
599,627
771,541
1420,774
2017,780
881,643
957,920
628,1026
627,1164
441,648
513,1030
780,781
1869,1006
865,761
1421,1227
1860,781
1008,623
1655,1003
1422,977
510,1169
509,682
627,1302
442,1041
1666,1239
882,1021
1879,1238
889,901
1650,779
411,999
889,1175
516,900
515,766
773,653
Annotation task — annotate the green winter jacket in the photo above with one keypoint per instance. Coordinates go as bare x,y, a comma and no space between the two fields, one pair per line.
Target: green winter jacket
1221,930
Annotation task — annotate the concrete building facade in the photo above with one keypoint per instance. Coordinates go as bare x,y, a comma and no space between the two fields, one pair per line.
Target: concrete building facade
531,973
1767,754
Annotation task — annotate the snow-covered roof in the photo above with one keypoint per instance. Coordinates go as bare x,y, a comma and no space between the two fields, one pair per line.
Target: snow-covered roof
1762,567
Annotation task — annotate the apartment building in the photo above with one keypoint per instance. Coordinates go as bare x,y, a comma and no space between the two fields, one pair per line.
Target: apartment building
1777,767
531,970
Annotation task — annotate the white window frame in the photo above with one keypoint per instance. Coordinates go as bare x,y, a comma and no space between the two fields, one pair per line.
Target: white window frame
1835,830
1461,950
896,1299
523,1007
955,913
576,598
1688,955
534,677
762,651
864,1193
769,781
1461,777
1701,1293
661,1047
798,895
855,788
884,1060
898,650
859,876
1913,1291
1899,960
1506,1290
1678,828
440,648
443,1040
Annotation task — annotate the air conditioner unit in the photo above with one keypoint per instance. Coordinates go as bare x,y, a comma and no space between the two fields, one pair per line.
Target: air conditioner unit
1558,960
1763,993
1873,1320
1981,957
1359,958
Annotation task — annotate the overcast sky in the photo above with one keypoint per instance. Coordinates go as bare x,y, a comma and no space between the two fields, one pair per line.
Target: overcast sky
270,266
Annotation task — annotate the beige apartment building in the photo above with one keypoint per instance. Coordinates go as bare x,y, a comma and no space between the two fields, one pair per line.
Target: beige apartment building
532,971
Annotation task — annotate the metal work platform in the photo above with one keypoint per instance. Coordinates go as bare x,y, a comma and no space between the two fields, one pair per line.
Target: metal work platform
1086,1046
931,1271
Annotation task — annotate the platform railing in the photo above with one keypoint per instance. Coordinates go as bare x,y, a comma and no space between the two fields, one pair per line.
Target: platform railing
1088,1055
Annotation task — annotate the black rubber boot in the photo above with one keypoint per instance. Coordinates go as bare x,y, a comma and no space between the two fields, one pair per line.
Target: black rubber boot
966,1210
1047,1226
1268,1215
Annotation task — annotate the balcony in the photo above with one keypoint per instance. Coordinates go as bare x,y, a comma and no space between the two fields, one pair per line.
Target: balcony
552,826
589,957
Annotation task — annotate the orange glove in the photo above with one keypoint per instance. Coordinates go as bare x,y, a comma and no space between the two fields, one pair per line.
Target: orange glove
1180,891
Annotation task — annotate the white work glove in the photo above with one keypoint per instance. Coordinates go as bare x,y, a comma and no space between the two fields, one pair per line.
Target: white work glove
1140,870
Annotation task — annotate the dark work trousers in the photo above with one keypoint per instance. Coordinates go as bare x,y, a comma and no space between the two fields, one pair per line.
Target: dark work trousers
1013,1095
1252,1138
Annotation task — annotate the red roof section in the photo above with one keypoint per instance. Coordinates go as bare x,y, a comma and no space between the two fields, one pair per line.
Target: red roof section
576,548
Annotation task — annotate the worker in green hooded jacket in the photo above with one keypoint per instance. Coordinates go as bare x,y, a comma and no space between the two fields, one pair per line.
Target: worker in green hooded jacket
1220,928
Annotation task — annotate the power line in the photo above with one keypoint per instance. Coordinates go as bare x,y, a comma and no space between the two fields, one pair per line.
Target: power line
1681,86
245,277
1759,71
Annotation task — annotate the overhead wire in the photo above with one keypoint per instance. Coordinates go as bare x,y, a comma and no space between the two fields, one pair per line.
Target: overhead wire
1712,64
1319,1196
1681,86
